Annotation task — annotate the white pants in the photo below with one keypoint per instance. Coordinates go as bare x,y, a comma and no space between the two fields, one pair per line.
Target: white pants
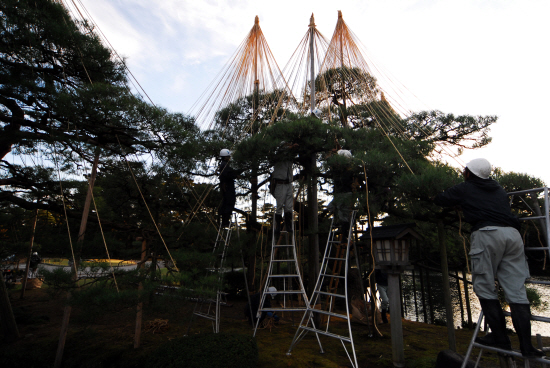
498,252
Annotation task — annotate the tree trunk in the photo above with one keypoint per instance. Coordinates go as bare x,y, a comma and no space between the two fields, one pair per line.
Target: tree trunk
29,254
446,286
139,311
7,320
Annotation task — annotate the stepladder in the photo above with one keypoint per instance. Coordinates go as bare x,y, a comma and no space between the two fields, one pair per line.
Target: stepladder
507,358
283,290
329,299
209,300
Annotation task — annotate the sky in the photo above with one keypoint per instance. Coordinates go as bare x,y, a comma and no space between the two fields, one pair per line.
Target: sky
476,57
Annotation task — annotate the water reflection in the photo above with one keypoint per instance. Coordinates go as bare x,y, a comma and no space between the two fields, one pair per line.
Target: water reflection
423,300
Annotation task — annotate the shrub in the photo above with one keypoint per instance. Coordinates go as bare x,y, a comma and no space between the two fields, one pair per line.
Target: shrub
220,350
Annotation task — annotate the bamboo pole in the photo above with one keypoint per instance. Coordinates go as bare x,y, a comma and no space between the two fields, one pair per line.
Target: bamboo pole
459,297
29,254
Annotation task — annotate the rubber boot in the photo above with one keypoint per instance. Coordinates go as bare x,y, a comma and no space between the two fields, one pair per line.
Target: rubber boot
278,224
521,318
384,315
495,319
288,221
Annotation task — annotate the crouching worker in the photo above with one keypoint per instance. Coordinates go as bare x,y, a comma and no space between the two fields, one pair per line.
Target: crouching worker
496,251
255,305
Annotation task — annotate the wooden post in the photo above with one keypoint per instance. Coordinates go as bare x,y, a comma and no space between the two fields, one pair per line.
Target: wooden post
446,286
83,222
139,313
398,353
29,254
7,320
467,299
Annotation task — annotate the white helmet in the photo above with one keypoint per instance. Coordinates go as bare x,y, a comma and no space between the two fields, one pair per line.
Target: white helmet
225,152
317,113
344,153
480,167
272,290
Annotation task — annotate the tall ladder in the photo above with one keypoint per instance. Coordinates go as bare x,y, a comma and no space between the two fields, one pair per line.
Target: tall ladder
207,306
334,255
283,253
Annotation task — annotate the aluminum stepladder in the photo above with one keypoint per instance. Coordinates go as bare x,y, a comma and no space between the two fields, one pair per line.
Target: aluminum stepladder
325,275
293,287
505,356
207,306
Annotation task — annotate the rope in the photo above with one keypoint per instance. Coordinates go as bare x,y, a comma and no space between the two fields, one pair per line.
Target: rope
147,206
371,244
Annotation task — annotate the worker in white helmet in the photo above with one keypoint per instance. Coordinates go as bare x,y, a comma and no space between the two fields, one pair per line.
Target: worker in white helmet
497,251
227,176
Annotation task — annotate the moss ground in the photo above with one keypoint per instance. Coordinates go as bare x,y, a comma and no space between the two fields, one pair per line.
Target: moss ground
106,339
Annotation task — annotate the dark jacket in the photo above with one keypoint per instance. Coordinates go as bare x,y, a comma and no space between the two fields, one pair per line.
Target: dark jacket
484,203
227,176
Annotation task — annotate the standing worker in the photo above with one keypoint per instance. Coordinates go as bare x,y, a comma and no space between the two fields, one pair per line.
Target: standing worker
345,183
227,176
282,178
496,251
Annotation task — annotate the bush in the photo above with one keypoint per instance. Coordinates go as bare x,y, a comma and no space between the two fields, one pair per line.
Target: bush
220,350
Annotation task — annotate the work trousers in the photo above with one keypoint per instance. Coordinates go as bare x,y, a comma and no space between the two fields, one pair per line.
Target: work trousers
283,196
497,252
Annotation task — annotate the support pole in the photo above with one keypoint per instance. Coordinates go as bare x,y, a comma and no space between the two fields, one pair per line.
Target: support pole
398,353
446,286
29,254
312,185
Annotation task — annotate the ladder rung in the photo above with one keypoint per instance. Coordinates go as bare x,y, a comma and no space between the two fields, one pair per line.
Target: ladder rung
284,260
204,315
297,309
289,292
330,294
335,276
325,333
336,259
332,314
288,275
283,245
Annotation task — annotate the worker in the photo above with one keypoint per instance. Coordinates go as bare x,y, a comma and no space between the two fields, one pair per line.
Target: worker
255,305
33,265
281,182
227,176
345,183
496,251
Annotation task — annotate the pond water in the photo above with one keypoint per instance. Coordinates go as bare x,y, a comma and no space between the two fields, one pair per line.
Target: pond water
417,305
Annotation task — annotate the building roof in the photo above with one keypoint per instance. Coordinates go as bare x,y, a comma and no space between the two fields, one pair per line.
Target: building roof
392,232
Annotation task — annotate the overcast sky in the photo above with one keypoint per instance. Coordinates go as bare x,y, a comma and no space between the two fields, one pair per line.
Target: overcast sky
477,57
